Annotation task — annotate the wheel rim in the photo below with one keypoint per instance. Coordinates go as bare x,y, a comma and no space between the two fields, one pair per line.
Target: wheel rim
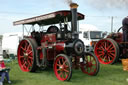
61,68
89,65
25,56
105,51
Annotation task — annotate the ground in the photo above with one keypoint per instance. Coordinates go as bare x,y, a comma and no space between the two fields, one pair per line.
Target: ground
108,75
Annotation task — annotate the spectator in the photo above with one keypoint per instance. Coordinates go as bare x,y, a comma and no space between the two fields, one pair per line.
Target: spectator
3,72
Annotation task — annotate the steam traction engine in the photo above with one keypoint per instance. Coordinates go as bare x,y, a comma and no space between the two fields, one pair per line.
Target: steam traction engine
109,50
55,46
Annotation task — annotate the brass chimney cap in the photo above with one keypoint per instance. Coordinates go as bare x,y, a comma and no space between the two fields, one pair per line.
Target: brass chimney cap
73,5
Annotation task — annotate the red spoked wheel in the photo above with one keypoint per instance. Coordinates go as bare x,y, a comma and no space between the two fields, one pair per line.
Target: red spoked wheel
26,55
107,51
63,67
90,64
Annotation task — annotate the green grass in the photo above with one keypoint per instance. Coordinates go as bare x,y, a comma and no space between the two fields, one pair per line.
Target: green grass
108,75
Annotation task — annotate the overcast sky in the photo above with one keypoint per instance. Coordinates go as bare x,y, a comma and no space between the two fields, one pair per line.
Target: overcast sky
97,13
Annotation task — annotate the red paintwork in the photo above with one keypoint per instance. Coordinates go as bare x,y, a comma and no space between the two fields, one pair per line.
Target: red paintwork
118,36
49,41
49,38
51,53
60,46
41,54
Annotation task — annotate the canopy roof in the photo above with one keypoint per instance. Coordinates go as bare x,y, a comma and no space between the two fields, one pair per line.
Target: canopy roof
51,18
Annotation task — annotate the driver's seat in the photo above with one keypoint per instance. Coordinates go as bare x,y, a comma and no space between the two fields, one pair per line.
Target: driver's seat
53,29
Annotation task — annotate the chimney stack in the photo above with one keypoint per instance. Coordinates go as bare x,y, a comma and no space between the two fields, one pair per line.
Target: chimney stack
73,7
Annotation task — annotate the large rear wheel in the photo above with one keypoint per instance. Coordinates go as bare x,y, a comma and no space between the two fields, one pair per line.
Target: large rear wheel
90,64
27,55
63,67
107,51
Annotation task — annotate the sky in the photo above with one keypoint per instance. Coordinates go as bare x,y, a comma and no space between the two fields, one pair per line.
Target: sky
97,12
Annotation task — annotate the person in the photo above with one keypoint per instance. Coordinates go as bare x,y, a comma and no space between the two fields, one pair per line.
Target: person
3,72
125,29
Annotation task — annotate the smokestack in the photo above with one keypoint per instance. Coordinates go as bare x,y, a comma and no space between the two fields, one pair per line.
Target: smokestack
73,7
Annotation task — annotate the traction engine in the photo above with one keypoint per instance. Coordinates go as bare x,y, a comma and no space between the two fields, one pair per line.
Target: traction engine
112,48
57,46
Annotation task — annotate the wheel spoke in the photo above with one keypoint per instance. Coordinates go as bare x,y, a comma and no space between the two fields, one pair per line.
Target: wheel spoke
90,58
104,58
109,55
58,69
111,51
66,70
105,45
21,57
30,58
65,64
109,46
29,52
102,47
66,74
24,65
62,59
29,46
109,59
26,45
91,69
23,49
101,55
30,64
101,52
60,73
58,65
59,62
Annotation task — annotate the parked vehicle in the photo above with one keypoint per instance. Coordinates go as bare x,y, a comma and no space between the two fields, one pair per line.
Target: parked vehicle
90,34
59,47
10,42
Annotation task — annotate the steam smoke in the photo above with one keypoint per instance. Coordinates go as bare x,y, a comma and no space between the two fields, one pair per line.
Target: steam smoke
68,1
109,3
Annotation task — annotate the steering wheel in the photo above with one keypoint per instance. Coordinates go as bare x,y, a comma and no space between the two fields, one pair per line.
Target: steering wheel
119,29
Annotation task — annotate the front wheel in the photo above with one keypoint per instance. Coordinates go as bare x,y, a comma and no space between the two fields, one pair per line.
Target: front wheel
62,67
90,64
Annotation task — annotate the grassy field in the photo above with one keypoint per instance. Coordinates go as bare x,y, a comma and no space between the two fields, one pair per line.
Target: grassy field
108,75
